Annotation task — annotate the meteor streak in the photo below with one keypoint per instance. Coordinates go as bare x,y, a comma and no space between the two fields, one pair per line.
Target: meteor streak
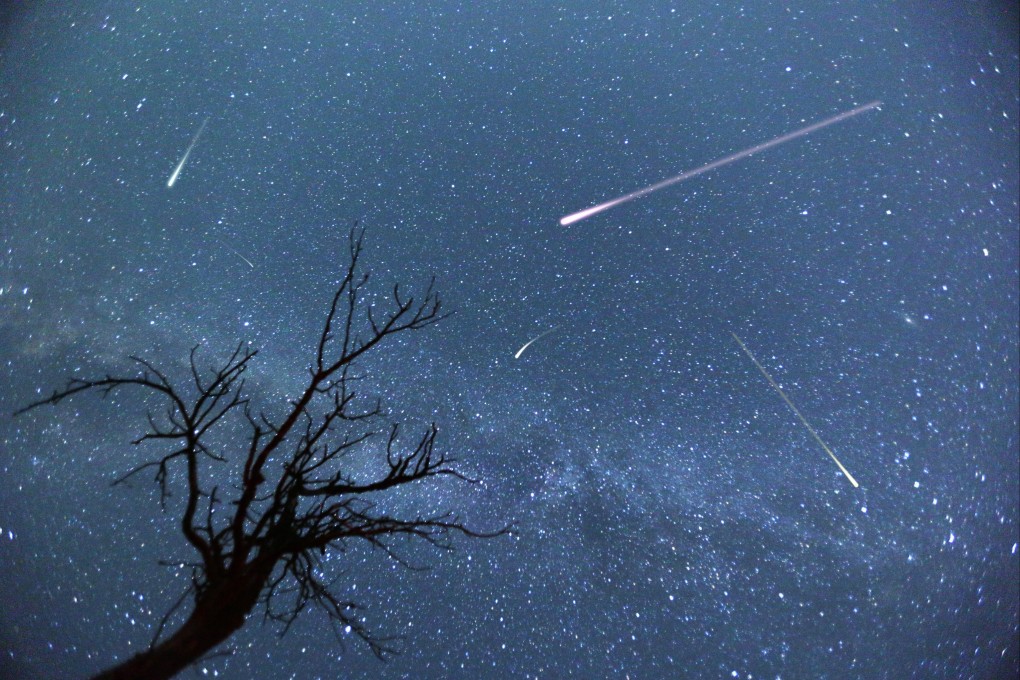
594,210
234,250
245,259
790,404
187,152
529,342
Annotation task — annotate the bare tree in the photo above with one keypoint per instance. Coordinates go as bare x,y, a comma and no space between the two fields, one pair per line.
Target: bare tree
266,544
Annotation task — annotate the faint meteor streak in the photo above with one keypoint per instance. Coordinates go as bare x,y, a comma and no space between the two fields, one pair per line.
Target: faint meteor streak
594,210
245,259
234,250
187,152
530,342
790,404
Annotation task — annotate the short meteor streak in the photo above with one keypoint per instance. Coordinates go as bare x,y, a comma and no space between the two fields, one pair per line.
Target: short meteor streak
534,339
187,152
234,250
790,404
245,259
594,210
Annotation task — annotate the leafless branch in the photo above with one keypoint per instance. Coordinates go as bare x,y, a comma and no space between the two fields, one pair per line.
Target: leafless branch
295,497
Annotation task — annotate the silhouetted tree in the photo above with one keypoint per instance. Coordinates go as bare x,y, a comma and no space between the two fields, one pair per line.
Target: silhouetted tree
265,545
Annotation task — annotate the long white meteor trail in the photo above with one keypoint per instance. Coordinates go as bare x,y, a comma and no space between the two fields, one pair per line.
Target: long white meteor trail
594,210
795,410
534,339
187,152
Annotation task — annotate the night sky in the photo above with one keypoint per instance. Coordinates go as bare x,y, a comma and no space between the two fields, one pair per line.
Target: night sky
672,516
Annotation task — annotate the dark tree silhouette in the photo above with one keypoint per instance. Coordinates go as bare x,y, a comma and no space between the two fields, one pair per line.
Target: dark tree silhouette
265,545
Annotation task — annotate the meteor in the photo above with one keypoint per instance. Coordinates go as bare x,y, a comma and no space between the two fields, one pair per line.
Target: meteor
187,152
795,410
234,250
594,210
530,342
245,259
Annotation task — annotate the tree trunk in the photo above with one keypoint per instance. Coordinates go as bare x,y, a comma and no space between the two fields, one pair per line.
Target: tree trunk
220,613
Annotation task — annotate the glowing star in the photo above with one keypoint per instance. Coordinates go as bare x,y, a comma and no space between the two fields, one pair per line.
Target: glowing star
529,342
790,404
187,152
594,210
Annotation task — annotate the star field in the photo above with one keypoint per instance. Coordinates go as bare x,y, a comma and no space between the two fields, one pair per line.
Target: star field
672,517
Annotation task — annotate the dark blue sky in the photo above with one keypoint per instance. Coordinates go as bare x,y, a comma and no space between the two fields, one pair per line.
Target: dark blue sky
674,518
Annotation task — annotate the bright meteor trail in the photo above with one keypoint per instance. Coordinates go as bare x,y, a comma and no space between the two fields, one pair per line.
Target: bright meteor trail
533,340
584,214
187,152
790,404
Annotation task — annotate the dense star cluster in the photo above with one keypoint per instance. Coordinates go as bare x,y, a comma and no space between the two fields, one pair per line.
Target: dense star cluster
182,174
